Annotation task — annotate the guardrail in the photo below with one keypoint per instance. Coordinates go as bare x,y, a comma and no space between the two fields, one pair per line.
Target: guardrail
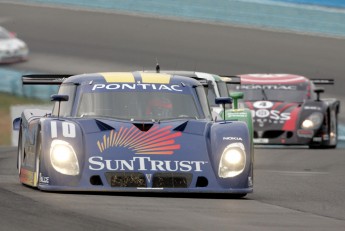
275,14
11,83
327,3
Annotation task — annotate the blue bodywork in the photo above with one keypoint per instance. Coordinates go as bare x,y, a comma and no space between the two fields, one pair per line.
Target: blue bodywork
112,154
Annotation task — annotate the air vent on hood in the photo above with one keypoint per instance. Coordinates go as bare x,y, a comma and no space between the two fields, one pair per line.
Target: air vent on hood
103,126
181,127
143,126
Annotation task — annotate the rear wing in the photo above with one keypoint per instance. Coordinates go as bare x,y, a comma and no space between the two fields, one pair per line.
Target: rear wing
323,81
44,79
231,79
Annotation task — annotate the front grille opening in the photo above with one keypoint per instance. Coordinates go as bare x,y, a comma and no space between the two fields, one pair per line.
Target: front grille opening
289,135
272,134
201,182
171,180
96,180
143,127
126,179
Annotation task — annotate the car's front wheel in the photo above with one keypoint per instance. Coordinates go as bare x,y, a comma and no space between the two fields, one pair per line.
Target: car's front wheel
37,159
332,132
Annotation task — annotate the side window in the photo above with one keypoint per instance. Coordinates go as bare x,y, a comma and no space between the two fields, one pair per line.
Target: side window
223,90
203,101
65,107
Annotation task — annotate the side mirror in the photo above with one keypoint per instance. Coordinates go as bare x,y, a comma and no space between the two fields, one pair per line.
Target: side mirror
318,91
236,96
16,123
13,34
59,98
223,101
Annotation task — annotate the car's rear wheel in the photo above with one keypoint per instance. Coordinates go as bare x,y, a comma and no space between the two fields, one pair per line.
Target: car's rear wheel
20,154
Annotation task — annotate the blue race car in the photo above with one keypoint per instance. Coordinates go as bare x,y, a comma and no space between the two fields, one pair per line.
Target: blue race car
133,132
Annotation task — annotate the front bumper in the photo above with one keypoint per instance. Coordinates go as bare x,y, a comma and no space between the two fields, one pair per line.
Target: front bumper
12,57
281,137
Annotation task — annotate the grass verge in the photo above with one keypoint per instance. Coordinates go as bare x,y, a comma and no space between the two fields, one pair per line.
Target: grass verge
6,101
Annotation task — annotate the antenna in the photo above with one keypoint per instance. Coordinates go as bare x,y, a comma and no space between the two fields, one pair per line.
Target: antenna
157,66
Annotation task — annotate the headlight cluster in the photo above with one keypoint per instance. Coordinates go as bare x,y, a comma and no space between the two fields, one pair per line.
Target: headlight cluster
313,121
233,160
63,158
23,48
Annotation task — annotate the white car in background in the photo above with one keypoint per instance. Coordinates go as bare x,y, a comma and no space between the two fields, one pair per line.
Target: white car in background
12,49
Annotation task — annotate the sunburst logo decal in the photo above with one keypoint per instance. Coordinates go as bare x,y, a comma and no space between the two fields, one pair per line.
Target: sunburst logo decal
156,141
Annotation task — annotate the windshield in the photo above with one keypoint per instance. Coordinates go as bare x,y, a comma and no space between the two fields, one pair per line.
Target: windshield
286,93
274,95
4,34
223,91
146,105
211,96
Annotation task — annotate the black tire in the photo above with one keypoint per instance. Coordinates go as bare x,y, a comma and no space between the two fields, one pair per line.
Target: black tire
20,153
38,159
333,139
237,195
334,129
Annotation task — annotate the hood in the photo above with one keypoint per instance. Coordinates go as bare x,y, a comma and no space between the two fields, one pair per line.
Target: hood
274,115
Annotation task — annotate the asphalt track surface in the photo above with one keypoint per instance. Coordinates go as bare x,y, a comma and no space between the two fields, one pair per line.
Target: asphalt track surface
295,188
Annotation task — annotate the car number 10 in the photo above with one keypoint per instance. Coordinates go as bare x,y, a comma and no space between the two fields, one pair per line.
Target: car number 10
68,129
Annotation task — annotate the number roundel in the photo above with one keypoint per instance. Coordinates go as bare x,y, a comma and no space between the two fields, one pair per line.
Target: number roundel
68,129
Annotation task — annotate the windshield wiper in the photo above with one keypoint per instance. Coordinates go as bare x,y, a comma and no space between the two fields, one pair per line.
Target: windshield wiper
264,96
179,118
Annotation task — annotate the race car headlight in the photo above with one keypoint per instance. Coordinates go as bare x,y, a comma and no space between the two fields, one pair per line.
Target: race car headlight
313,121
63,158
233,161
23,48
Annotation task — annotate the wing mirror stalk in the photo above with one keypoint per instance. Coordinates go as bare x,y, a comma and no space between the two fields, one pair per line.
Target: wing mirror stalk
223,101
318,91
59,98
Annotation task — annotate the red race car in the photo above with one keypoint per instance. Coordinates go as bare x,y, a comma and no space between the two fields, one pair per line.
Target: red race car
287,110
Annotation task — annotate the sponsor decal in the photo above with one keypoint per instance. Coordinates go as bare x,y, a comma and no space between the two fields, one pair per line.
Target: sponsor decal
267,87
262,113
137,86
261,140
312,108
232,138
237,113
43,179
317,139
250,181
97,163
270,116
156,141
263,104
305,133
